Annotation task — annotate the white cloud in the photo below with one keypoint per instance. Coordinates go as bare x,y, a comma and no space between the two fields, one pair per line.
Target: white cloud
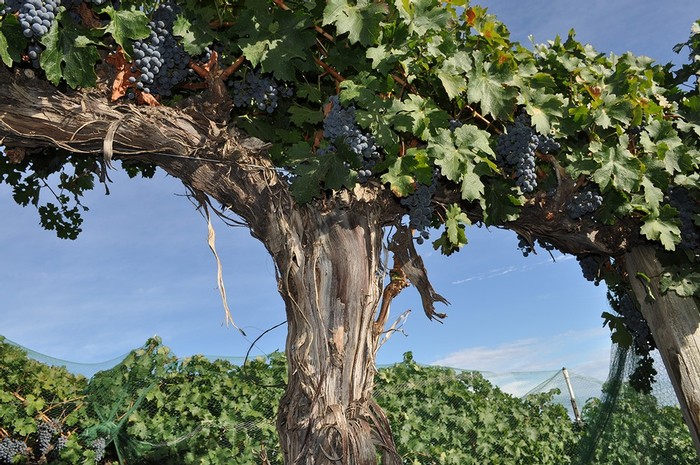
585,352
498,272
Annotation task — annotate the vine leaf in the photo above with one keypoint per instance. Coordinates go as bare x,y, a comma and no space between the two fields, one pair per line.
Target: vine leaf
663,228
361,19
12,41
69,55
618,167
684,284
421,16
402,175
126,24
489,86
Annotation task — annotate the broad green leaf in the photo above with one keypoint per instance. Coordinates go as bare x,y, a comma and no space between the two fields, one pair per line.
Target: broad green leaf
300,116
472,187
542,108
455,223
502,203
660,139
69,54
194,40
419,116
4,50
406,171
684,284
421,16
663,228
359,19
490,86
126,25
618,168
12,41
453,72
652,194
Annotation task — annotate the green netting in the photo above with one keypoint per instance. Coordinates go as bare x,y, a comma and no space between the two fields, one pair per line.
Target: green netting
151,407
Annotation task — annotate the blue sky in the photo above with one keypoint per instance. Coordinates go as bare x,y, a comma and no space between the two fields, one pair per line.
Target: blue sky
142,266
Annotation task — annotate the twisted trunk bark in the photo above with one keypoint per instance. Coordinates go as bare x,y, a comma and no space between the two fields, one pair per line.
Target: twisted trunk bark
675,324
331,282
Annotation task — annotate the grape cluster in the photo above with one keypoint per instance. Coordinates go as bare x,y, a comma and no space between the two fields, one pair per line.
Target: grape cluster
98,446
161,61
37,16
340,125
635,323
590,266
258,92
45,432
680,199
584,203
420,209
547,145
10,448
527,247
516,148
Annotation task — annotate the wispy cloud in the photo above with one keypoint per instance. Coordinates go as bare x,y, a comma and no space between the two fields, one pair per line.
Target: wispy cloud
581,352
502,271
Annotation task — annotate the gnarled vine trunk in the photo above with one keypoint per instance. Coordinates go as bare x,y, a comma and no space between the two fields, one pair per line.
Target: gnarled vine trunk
331,281
675,324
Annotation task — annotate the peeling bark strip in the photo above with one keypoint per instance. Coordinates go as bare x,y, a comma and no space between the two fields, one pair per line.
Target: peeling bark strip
675,324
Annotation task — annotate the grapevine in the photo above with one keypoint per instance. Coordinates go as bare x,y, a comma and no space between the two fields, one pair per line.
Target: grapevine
584,203
420,209
340,127
37,16
258,92
516,149
160,59
688,209
98,446
10,448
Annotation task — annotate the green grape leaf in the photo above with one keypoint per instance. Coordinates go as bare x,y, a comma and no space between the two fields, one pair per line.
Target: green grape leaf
421,16
542,107
407,170
419,116
502,203
661,139
490,86
452,73
12,41
194,39
617,168
360,19
455,222
653,196
69,54
126,24
300,116
685,284
662,227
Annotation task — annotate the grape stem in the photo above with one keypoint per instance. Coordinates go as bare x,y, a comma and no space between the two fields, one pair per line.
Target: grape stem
201,72
233,68
282,5
336,75
483,119
323,33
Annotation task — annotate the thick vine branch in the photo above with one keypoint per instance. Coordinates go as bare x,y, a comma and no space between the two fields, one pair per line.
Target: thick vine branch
206,155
